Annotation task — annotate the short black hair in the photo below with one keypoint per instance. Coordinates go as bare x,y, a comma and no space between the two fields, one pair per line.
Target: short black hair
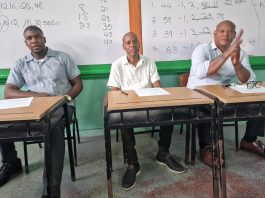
32,28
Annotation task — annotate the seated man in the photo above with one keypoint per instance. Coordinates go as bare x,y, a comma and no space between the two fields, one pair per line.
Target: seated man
131,72
43,72
217,62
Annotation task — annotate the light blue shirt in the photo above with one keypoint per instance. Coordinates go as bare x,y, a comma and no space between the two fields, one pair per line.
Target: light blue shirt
51,75
201,57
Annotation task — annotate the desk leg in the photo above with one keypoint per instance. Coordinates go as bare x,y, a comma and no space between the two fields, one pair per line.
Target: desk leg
193,144
108,161
69,143
221,157
48,158
187,149
220,152
215,154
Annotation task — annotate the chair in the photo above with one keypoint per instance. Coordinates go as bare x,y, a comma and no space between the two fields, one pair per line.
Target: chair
74,132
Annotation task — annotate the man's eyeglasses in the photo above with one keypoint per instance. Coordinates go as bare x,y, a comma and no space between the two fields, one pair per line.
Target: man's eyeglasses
252,84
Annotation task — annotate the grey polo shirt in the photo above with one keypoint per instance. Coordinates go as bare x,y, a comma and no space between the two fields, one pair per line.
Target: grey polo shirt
52,75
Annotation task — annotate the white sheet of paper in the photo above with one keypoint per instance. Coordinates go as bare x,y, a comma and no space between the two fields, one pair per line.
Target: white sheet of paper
15,103
151,92
243,89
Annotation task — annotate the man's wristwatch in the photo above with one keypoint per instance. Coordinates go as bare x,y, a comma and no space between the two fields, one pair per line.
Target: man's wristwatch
69,98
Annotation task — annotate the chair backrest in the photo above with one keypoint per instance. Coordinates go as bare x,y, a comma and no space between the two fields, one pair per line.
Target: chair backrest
183,79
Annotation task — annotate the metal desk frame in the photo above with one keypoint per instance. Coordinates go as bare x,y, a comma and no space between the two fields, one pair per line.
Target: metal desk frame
23,134
237,114
193,119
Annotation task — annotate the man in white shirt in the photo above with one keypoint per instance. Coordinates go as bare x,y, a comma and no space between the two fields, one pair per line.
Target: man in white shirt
134,71
218,62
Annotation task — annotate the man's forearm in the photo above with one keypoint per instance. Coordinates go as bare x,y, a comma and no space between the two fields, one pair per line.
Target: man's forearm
75,91
242,73
217,63
13,93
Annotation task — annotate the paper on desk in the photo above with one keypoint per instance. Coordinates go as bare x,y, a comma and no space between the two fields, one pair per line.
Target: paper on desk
151,92
243,89
14,103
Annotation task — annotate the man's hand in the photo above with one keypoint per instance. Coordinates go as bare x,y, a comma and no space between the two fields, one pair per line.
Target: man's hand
235,45
235,57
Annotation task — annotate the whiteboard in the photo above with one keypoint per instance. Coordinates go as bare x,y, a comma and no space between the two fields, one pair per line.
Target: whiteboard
173,28
89,30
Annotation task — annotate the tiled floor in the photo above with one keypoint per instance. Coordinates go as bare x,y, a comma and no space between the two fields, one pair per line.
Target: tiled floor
245,173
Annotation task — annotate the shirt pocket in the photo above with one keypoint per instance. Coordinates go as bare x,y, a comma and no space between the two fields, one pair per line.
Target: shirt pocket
55,73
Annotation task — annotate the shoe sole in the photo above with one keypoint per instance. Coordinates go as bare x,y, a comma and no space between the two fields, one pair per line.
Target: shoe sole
254,152
174,171
133,184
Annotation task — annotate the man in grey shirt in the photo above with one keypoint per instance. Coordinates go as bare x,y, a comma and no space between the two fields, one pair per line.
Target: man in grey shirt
43,72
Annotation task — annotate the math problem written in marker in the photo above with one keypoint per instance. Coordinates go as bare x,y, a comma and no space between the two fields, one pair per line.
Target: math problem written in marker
173,28
90,31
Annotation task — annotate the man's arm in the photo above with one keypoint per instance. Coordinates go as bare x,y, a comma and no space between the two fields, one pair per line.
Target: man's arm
233,50
218,62
156,84
114,88
77,87
12,91
241,72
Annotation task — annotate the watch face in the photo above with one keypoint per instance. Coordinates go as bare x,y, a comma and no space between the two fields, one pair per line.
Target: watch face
68,97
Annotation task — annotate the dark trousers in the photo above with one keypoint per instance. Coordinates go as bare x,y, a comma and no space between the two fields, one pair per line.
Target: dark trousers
9,153
254,128
165,135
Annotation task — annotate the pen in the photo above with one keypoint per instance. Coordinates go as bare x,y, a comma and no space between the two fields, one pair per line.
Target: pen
124,93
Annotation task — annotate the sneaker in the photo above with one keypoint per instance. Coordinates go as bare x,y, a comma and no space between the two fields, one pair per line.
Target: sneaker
9,170
206,155
170,163
129,178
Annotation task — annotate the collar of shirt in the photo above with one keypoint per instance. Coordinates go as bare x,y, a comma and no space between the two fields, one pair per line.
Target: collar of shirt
125,61
214,47
50,53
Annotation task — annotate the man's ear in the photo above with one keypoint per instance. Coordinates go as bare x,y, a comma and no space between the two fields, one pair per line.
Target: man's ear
44,38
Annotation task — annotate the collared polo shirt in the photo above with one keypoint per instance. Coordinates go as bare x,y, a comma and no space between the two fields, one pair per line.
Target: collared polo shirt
51,75
201,57
126,76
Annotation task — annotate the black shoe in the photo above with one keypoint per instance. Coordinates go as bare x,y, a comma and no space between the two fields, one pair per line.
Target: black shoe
8,170
168,161
129,178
